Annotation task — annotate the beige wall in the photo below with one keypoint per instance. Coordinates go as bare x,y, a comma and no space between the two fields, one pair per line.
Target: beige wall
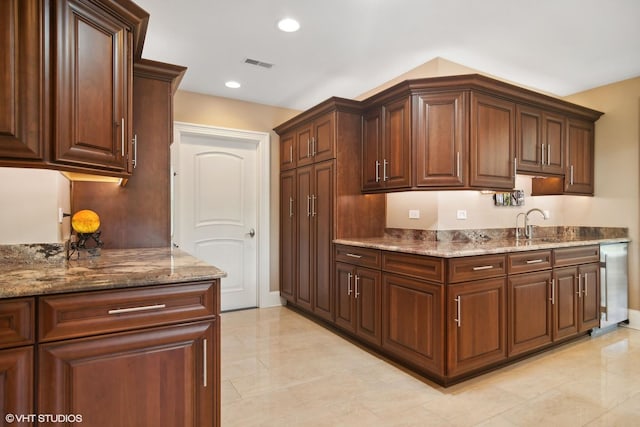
617,185
30,202
201,109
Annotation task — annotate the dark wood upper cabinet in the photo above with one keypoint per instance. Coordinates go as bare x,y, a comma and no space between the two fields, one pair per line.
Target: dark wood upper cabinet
579,167
396,144
371,149
492,142
287,151
92,87
540,141
314,141
440,135
22,137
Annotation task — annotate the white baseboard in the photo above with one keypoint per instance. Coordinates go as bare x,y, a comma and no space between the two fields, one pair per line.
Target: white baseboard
634,319
270,299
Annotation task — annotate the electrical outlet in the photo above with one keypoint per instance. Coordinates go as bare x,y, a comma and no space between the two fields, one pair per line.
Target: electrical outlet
414,214
60,215
461,214
547,214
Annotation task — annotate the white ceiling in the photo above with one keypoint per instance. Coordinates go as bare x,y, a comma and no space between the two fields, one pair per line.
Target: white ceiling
348,47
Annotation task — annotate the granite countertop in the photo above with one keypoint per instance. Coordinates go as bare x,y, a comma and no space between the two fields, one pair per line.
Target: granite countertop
22,275
449,249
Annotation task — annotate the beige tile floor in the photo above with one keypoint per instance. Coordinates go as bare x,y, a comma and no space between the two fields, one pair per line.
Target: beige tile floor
281,369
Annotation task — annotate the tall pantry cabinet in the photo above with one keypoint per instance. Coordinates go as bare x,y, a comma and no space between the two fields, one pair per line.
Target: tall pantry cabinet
320,200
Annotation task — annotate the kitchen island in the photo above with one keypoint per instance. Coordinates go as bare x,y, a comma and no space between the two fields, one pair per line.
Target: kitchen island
130,337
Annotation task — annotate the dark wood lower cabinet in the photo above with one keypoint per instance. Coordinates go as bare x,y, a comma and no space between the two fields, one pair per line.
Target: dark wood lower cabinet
476,325
163,377
530,311
413,321
358,303
451,319
16,382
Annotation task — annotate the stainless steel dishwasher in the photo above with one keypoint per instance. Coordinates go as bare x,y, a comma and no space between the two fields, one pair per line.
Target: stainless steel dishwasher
613,286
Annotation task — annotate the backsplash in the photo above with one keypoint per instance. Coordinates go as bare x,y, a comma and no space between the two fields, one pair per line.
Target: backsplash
486,234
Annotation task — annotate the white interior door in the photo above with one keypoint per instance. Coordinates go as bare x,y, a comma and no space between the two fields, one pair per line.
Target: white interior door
216,210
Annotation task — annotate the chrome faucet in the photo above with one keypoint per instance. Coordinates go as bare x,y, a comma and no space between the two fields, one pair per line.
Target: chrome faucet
528,229
518,228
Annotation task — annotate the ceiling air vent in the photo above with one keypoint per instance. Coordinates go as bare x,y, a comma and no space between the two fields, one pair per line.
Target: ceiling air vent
258,63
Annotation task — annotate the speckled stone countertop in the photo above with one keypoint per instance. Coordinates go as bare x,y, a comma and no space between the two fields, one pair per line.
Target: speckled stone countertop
23,275
452,249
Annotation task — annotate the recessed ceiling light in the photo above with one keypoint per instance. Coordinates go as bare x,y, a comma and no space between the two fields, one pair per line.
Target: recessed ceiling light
232,84
288,25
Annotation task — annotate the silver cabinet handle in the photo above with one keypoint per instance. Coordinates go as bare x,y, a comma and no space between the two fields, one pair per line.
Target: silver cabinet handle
313,205
458,164
377,171
349,276
603,289
308,147
313,146
483,267
543,156
553,291
534,261
515,167
135,151
579,286
354,255
136,309
204,362
308,205
384,170
585,286
291,153
548,154
571,176
290,207
357,280
122,136
458,320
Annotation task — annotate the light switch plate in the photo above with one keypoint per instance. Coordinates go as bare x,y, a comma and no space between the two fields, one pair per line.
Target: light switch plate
461,214
414,214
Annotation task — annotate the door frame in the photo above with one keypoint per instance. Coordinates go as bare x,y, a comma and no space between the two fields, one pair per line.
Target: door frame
266,297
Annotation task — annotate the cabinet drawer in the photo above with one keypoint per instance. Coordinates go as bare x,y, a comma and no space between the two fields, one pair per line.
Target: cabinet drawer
476,267
17,322
576,255
524,262
418,266
93,313
358,256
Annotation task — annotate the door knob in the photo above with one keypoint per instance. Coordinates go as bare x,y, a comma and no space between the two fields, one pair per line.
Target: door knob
252,232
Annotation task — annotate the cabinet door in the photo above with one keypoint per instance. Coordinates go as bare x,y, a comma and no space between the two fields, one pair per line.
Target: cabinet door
565,298
288,151
92,87
163,377
372,150
476,325
304,232
554,131
396,145
530,311
323,147
303,149
368,306
579,166
413,321
440,139
21,137
529,139
345,306
16,382
589,316
322,222
492,142
288,246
